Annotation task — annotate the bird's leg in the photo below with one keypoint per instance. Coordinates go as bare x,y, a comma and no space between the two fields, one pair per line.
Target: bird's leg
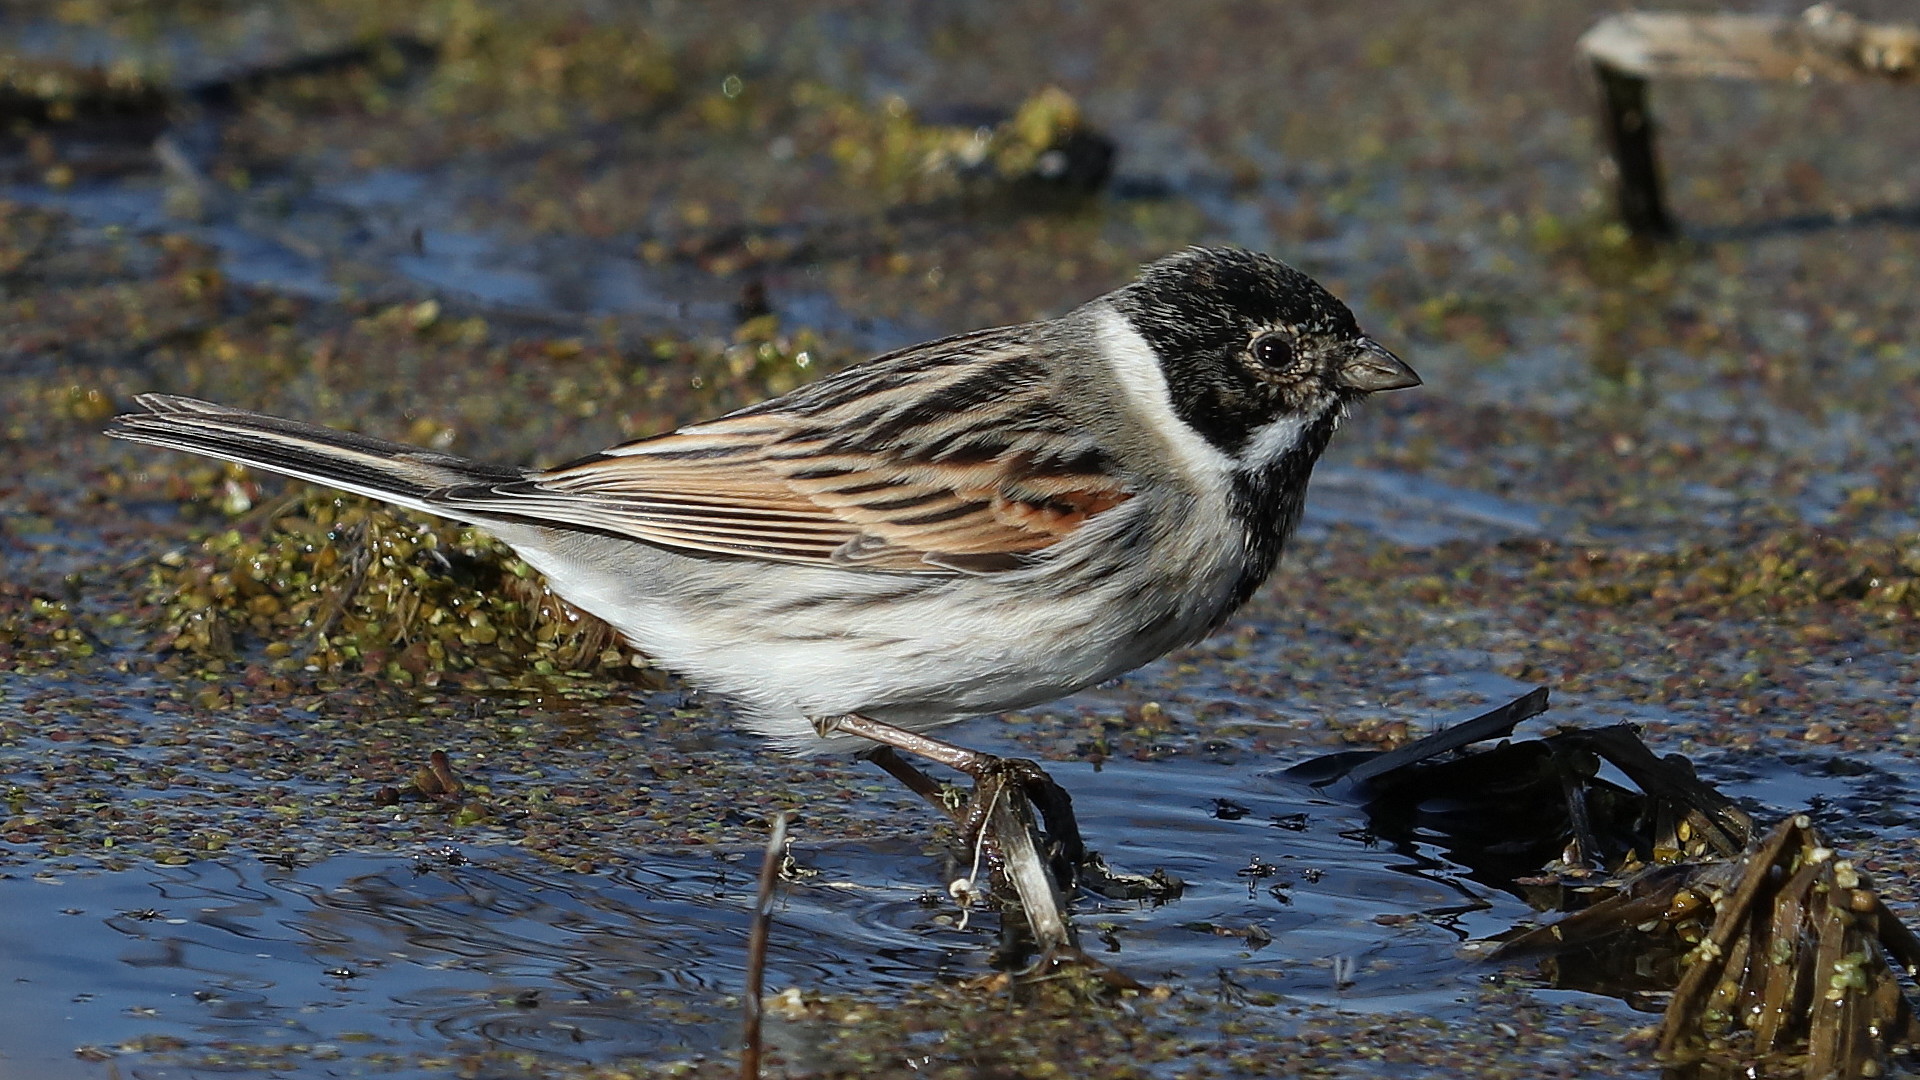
934,792
939,751
1047,796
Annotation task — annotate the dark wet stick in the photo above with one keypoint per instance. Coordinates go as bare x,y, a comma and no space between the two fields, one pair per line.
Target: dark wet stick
1834,1046
1899,941
1628,122
1494,723
750,1043
1582,850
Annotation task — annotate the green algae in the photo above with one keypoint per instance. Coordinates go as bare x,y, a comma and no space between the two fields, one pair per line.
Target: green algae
894,151
1771,573
334,583
41,92
532,71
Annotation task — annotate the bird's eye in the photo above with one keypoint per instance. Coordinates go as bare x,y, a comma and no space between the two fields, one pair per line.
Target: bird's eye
1274,351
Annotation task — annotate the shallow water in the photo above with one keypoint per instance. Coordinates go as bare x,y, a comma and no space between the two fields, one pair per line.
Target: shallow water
354,961
462,950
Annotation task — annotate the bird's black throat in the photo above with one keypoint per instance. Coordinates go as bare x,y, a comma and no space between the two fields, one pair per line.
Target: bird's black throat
1267,501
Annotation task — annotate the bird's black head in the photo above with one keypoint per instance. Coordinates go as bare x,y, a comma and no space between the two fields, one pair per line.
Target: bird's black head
1245,340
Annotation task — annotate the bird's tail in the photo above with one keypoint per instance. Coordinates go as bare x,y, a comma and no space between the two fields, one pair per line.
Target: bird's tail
395,472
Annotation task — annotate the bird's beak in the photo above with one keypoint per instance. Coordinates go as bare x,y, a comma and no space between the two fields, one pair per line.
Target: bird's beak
1371,367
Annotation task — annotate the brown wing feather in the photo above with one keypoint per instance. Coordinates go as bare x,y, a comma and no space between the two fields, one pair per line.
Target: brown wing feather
949,456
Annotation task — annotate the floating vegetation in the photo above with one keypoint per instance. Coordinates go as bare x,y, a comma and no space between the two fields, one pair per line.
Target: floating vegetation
1785,569
1040,1023
532,73
37,630
34,91
335,583
1045,140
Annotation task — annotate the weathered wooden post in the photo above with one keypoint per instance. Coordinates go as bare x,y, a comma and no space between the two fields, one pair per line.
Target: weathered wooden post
1629,49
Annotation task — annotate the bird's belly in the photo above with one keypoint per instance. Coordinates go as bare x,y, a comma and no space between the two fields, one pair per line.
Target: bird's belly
916,660
793,642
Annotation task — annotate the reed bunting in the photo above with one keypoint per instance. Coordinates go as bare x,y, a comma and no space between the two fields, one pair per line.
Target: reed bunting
980,523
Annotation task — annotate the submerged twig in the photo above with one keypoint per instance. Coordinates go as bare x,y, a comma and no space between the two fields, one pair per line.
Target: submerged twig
750,1043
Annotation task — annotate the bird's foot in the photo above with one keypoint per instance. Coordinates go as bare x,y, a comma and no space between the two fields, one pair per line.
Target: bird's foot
1065,850
992,775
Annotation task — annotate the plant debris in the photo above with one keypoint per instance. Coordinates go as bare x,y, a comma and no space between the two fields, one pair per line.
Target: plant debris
1775,954
1781,962
1510,809
434,782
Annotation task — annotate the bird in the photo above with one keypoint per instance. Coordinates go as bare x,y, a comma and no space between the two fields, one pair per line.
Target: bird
972,525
